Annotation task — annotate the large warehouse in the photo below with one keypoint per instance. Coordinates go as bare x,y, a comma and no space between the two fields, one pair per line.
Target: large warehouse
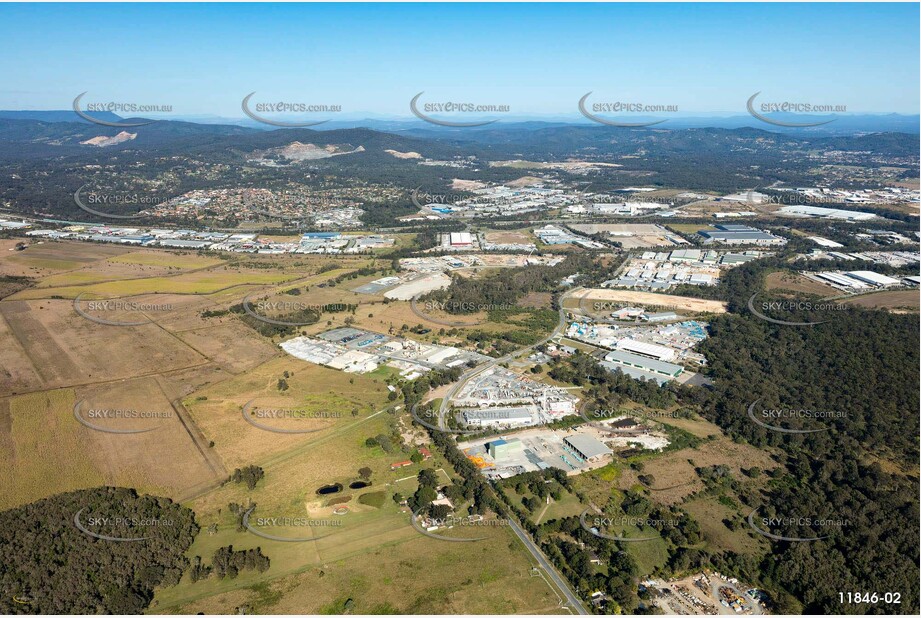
739,235
461,239
496,417
646,364
658,352
587,447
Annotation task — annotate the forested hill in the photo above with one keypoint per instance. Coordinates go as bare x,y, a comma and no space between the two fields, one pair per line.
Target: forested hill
860,470
50,566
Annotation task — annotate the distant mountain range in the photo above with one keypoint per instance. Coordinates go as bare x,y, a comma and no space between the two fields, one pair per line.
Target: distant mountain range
843,124
22,138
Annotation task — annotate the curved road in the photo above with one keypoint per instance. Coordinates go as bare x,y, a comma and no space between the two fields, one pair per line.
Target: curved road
465,377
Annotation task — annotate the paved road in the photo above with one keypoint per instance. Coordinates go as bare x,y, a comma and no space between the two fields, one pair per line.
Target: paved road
466,376
571,598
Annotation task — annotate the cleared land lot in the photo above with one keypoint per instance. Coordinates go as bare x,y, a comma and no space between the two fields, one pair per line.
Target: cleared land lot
374,557
795,282
51,452
896,301
509,237
674,303
674,471
217,409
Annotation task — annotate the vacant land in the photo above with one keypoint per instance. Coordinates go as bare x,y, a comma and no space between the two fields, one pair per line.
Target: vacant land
674,303
710,514
42,259
675,475
795,282
329,400
509,237
896,301
52,452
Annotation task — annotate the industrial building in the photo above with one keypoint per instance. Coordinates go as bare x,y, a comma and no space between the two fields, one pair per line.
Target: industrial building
500,448
729,234
521,416
636,374
646,364
461,239
800,210
663,316
586,447
658,352
857,279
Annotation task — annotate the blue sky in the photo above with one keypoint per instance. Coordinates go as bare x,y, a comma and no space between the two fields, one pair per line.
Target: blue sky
538,59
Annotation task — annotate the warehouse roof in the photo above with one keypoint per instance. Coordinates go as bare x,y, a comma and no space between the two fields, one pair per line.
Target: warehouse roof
587,446
642,362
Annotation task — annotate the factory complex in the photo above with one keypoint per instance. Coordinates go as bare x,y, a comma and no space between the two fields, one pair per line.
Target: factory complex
896,259
360,351
502,399
644,352
662,270
731,234
553,235
573,450
633,235
311,242
855,280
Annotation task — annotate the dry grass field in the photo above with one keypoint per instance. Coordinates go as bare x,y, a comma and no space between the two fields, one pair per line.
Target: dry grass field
51,452
675,475
794,282
674,303
319,391
896,301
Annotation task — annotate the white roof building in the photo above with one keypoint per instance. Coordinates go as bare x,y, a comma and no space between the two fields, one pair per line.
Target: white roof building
659,352
871,277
